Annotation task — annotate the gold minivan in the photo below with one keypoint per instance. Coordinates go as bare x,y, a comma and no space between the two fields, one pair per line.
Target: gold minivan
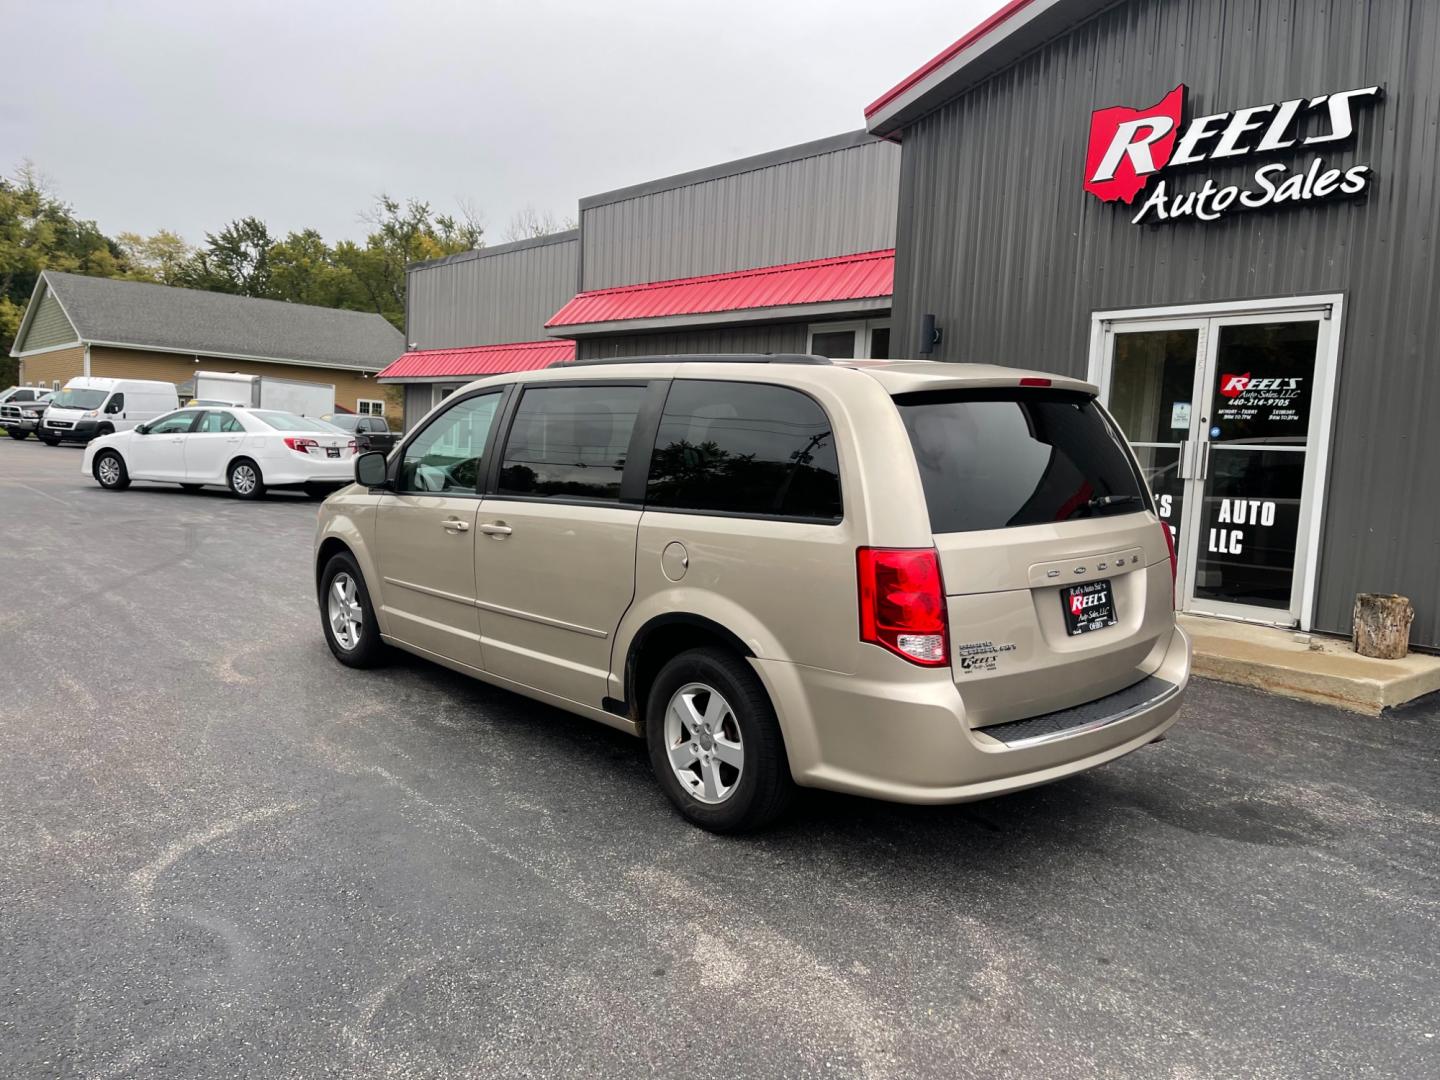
914,581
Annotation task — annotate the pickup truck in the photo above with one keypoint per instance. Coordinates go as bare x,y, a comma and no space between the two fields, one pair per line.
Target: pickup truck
20,412
371,432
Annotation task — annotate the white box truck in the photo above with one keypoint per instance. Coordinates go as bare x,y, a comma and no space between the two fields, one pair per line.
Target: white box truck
264,392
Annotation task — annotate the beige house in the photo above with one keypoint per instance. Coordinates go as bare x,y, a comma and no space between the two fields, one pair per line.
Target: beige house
77,325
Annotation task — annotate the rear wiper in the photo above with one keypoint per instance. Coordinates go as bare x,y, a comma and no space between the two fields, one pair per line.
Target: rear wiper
1102,502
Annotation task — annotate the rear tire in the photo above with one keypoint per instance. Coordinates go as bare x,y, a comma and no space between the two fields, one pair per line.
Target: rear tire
245,479
17,434
715,745
318,491
348,616
110,472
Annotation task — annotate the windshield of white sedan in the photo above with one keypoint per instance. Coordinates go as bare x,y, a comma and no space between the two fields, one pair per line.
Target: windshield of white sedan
284,421
79,399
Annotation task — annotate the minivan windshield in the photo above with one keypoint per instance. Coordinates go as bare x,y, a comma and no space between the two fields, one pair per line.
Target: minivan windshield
1008,457
79,399
284,421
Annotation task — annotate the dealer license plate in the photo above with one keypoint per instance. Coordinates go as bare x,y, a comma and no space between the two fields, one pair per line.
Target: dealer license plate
332,451
1087,607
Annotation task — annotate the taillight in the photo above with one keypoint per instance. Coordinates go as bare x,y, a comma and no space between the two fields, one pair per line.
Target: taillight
300,446
902,603
1174,562
354,446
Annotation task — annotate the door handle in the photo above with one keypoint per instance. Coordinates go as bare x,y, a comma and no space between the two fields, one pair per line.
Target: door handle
455,525
500,529
1183,470
1202,469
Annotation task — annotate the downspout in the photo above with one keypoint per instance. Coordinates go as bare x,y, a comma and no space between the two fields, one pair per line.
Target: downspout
87,360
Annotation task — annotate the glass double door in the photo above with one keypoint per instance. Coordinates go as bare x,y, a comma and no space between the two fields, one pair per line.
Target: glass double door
1226,415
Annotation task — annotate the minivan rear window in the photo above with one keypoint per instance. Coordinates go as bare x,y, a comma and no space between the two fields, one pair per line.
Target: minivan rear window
1004,458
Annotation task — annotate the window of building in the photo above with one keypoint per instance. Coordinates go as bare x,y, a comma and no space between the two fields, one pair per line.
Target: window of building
447,455
570,441
370,407
861,339
744,448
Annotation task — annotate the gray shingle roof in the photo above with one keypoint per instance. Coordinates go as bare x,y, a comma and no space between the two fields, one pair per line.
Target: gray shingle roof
189,320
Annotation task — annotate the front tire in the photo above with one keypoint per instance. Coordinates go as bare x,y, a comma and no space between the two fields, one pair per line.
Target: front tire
715,745
348,615
245,479
48,441
110,472
17,434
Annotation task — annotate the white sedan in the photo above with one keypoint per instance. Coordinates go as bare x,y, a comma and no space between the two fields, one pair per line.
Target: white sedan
246,450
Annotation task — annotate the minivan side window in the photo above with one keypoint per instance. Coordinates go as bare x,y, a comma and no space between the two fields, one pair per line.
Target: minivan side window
570,442
744,448
446,456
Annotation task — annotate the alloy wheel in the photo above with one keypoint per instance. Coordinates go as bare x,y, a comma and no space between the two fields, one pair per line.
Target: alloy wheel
343,607
243,478
109,470
703,743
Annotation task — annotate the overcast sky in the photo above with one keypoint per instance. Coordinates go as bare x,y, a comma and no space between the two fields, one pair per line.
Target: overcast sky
185,115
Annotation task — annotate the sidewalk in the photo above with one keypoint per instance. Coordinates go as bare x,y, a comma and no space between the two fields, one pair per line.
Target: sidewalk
1314,668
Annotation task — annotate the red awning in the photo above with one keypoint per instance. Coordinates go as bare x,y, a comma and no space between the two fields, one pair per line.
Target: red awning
479,360
865,276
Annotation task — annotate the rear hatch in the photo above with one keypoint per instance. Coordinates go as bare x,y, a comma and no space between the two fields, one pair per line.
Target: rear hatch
1056,573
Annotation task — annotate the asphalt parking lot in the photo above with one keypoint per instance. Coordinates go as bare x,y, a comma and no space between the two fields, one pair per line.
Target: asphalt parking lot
223,854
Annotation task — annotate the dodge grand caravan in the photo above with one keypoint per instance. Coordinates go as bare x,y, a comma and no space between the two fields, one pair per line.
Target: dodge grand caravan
914,581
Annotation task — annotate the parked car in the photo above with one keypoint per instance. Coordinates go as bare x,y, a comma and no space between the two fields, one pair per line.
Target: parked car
20,394
247,450
371,432
915,581
90,407
20,413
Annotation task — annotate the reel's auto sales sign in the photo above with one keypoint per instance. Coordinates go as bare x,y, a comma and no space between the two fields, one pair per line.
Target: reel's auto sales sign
1130,149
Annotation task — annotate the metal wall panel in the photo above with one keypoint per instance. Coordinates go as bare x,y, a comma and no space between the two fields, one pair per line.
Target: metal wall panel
831,203
1000,242
491,297
766,337
417,403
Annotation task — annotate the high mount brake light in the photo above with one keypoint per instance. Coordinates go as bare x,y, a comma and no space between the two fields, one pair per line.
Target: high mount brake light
299,445
1031,381
902,603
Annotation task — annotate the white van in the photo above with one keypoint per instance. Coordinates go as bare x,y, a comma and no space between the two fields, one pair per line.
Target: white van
89,406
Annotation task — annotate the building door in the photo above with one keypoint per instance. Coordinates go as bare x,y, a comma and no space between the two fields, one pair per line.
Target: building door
1229,412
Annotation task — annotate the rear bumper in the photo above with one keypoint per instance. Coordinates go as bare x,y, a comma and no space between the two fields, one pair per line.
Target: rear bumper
910,741
321,472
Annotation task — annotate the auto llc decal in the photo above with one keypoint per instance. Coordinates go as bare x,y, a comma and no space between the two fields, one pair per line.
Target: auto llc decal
1129,148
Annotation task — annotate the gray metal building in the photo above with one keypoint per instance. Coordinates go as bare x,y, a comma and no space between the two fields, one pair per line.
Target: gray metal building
726,257
480,312
1224,213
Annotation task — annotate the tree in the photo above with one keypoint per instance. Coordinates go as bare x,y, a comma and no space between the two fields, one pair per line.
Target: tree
234,260
528,224
402,234
160,258
40,232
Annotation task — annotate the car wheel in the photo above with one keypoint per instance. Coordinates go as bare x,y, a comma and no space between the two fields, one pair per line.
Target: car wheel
17,433
245,479
49,441
103,430
318,491
715,745
110,472
348,615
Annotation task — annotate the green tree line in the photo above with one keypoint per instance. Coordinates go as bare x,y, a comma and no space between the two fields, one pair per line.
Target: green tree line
39,231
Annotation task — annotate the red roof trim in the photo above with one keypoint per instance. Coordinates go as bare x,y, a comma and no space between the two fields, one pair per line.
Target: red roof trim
846,277
480,360
986,27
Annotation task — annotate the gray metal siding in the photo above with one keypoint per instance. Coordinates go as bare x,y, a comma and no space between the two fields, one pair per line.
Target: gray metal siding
492,299
834,203
1000,242
417,403
766,337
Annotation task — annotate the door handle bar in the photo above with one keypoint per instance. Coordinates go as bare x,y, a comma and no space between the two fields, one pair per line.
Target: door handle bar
454,525
496,530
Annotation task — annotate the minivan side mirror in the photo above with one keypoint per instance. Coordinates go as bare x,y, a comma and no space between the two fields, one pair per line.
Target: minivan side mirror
371,469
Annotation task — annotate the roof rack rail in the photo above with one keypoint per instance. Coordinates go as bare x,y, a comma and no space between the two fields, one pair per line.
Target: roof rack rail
703,358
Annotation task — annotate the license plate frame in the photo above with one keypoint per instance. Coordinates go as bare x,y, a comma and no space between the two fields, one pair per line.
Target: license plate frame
332,451
1092,614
